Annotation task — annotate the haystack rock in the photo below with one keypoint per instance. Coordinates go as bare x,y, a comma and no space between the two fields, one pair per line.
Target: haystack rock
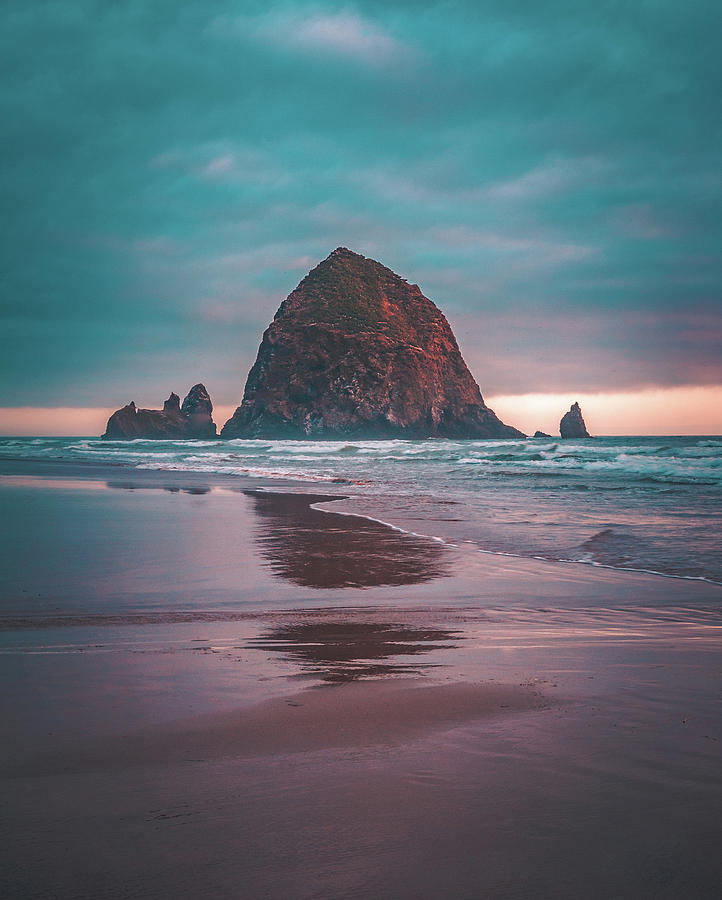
173,422
572,424
356,351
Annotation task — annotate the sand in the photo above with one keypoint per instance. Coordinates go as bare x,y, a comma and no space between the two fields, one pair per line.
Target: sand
363,714
193,710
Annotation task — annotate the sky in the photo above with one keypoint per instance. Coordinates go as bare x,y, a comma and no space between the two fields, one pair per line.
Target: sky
547,172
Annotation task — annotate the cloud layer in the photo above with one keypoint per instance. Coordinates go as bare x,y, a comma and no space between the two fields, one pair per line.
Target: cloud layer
548,173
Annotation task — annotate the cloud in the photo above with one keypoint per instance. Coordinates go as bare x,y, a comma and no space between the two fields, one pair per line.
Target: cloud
219,165
639,221
537,183
516,160
561,351
348,34
426,183
223,161
556,177
245,307
344,35
539,250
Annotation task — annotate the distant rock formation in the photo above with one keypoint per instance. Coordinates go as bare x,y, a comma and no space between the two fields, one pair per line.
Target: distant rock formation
572,424
197,409
356,351
541,434
173,422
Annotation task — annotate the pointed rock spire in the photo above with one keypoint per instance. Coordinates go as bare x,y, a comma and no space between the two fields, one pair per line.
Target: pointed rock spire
572,424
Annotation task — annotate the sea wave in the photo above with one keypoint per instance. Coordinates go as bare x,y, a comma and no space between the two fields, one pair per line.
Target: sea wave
649,504
641,460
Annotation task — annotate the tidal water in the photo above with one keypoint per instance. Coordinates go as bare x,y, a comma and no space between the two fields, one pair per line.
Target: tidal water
642,503
154,607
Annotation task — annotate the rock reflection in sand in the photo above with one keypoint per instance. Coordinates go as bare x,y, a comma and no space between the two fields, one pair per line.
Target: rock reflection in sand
197,490
313,548
342,651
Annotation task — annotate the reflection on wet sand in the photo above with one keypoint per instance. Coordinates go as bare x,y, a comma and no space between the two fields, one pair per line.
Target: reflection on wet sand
343,651
314,548
199,489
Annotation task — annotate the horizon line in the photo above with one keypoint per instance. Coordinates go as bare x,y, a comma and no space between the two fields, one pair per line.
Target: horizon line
683,411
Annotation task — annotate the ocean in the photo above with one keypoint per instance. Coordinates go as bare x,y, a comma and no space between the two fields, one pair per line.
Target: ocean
204,648
650,504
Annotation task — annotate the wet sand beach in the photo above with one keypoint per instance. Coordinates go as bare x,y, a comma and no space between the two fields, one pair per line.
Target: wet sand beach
216,692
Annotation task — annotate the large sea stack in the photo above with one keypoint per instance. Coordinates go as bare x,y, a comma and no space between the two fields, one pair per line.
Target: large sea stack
572,424
173,422
356,351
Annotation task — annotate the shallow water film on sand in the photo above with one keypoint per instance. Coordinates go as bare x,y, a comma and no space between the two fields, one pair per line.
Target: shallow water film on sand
228,684
649,504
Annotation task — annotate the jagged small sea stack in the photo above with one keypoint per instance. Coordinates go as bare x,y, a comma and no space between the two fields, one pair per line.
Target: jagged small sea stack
174,422
572,424
356,351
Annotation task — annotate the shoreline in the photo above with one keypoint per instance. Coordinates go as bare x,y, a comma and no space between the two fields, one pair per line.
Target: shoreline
291,701
132,478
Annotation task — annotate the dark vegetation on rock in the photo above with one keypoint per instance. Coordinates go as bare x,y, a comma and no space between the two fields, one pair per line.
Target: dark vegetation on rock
572,424
173,422
356,351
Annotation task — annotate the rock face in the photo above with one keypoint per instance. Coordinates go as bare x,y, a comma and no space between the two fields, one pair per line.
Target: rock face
356,351
173,422
541,434
572,424
197,409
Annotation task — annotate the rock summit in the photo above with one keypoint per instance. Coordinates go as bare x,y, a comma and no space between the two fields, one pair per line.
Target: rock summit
357,351
572,424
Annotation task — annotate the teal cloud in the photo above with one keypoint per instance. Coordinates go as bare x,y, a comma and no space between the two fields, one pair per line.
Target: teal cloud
548,172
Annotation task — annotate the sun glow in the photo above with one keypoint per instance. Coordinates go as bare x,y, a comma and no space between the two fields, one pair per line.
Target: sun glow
679,411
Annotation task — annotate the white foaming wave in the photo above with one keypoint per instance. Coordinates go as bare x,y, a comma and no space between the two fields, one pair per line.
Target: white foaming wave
663,460
303,449
624,461
325,448
702,452
155,442
659,468
517,466
255,471
580,559
139,456
473,461
321,507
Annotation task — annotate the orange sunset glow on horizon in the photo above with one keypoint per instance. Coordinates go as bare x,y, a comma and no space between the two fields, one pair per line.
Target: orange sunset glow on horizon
691,410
